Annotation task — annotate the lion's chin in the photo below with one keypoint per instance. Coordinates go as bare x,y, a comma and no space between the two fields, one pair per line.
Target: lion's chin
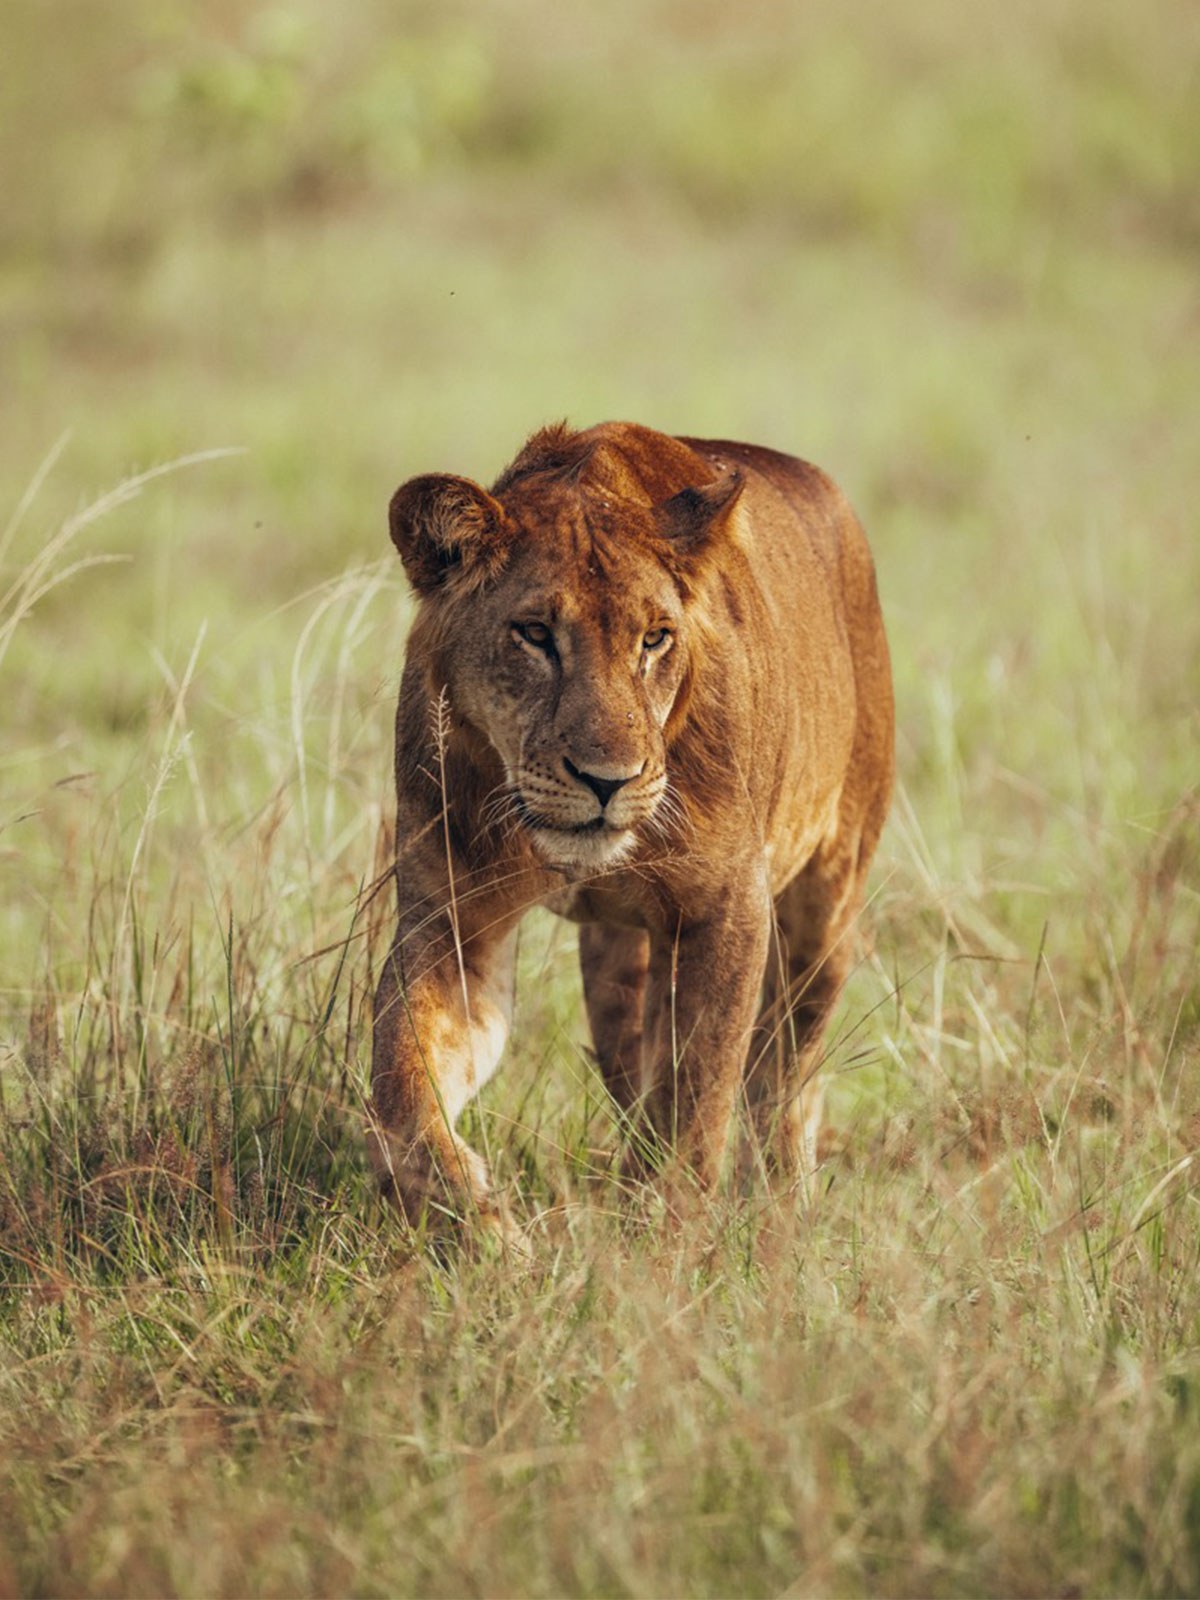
582,850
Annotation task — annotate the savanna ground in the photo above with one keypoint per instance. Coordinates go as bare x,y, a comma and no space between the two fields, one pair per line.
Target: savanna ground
950,253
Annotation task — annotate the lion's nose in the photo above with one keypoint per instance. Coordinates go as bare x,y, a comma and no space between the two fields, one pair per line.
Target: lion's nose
602,786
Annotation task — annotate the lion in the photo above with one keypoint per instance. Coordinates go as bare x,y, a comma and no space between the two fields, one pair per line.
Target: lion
648,686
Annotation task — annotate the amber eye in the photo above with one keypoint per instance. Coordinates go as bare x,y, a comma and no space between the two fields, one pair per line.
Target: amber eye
535,633
655,639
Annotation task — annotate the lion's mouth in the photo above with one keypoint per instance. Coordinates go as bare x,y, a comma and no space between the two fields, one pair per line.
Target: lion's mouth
574,847
538,823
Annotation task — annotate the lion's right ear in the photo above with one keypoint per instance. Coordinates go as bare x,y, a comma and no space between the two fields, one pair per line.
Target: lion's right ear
445,527
694,518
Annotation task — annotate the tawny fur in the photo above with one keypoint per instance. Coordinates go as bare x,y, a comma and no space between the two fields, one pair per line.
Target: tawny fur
666,712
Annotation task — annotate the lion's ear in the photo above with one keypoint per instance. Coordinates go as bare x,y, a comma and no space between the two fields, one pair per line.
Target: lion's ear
444,526
693,518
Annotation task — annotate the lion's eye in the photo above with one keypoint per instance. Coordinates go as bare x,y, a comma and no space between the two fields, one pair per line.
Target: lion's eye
655,639
535,633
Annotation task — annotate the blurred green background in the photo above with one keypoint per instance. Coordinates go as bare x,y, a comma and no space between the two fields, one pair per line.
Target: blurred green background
948,252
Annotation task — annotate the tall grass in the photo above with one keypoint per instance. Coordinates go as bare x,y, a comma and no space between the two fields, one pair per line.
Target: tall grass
971,1365
946,253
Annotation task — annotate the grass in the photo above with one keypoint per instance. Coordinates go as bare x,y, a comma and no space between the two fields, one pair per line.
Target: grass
947,253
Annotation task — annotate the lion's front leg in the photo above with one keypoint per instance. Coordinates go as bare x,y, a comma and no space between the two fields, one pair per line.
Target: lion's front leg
704,988
614,963
441,1020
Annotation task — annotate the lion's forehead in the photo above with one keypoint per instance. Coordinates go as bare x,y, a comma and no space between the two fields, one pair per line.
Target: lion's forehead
600,607
597,581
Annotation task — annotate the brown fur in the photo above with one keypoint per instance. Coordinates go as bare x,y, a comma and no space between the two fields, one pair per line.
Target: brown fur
648,686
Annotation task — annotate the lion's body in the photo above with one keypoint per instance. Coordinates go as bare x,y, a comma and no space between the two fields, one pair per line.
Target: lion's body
665,711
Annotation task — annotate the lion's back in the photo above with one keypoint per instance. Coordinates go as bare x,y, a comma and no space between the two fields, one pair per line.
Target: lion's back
814,643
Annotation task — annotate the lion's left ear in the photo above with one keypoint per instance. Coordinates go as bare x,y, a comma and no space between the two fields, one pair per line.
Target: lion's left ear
693,518
447,530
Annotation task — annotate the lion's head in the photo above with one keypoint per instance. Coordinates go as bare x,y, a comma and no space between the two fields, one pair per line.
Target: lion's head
560,607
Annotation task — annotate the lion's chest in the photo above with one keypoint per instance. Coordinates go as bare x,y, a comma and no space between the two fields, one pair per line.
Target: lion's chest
611,902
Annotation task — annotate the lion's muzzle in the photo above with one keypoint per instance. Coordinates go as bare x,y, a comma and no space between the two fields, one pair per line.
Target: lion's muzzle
585,817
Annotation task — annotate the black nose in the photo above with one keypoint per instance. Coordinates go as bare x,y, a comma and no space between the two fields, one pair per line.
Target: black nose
602,788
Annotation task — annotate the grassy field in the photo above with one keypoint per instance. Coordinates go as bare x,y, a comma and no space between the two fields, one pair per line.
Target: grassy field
258,266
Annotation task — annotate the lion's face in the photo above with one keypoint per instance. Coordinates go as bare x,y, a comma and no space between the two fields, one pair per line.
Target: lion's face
570,665
563,629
